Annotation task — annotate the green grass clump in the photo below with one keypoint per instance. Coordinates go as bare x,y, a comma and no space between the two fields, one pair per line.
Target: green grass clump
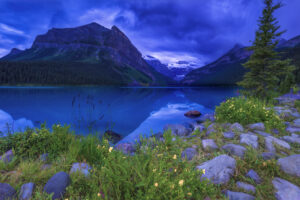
247,111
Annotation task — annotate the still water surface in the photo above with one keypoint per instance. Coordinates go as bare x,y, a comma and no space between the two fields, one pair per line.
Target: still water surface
127,111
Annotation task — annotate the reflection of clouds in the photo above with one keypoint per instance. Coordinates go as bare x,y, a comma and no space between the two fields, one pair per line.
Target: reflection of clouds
8,123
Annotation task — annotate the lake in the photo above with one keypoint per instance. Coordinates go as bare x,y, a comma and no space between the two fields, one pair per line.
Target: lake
127,111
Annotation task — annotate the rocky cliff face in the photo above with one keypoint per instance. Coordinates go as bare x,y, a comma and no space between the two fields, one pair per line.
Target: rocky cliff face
90,43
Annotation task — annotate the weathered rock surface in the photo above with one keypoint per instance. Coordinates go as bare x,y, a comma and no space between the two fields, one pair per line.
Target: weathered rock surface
211,129
218,170
83,168
257,126
7,192
235,149
254,176
296,123
209,144
26,191
229,135
249,139
290,165
268,155
7,157
292,139
178,129
270,140
57,185
189,153
209,116
262,133
245,186
285,190
126,148
292,130
238,196
192,114
236,127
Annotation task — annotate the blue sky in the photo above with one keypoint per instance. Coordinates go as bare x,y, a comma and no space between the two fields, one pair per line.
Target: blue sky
171,30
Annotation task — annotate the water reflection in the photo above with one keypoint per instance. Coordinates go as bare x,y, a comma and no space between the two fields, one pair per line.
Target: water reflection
123,110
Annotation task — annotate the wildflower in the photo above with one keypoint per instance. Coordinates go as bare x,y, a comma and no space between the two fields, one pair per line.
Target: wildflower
189,193
175,157
98,146
181,182
124,157
154,170
57,125
175,170
159,155
110,149
264,164
172,186
156,184
98,194
203,171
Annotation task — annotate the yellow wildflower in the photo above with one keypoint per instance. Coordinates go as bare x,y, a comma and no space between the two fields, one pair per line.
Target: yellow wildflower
156,184
264,164
110,149
172,186
175,157
98,194
175,170
181,182
190,194
154,170
203,171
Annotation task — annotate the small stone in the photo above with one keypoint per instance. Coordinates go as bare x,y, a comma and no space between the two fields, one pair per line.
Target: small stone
26,191
262,133
210,129
178,129
249,139
83,168
268,155
126,148
257,126
235,149
254,176
192,114
189,153
209,144
290,165
285,190
218,170
228,135
246,186
7,192
7,157
238,196
236,127
57,185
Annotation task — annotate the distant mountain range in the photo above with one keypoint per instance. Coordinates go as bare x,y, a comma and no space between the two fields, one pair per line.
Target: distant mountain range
228,69
176,73
94,55
85,55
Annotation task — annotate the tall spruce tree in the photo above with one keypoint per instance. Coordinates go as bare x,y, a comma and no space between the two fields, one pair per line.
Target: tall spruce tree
267,75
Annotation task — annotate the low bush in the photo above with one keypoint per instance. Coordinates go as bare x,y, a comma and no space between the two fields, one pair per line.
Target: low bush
247,111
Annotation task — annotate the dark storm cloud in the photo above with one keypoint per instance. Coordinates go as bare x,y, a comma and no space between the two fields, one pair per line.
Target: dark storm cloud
172,30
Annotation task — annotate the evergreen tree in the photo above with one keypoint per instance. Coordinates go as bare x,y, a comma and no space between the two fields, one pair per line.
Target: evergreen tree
267,75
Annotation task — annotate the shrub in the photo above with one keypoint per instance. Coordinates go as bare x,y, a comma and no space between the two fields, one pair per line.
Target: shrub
247,111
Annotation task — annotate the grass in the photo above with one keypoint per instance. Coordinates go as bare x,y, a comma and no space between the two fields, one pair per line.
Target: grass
155,171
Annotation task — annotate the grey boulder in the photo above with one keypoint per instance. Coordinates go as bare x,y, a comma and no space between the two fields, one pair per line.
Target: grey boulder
218,170
189,153
82,168
249,139
245,186
178,129
270,140
236,127
257,126
292,139
235,149
290,165
229,135
238,195
26,191
209,144
7,157
211,129
7,192
285,190
57,185
254,176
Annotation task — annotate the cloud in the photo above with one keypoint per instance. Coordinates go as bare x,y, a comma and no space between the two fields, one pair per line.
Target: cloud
3,52
10,30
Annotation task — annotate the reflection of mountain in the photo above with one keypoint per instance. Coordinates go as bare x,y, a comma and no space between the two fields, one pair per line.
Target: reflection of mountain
8,124
123,109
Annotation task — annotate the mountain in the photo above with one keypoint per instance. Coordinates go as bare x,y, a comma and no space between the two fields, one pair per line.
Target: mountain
228,69
175,71
91,54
